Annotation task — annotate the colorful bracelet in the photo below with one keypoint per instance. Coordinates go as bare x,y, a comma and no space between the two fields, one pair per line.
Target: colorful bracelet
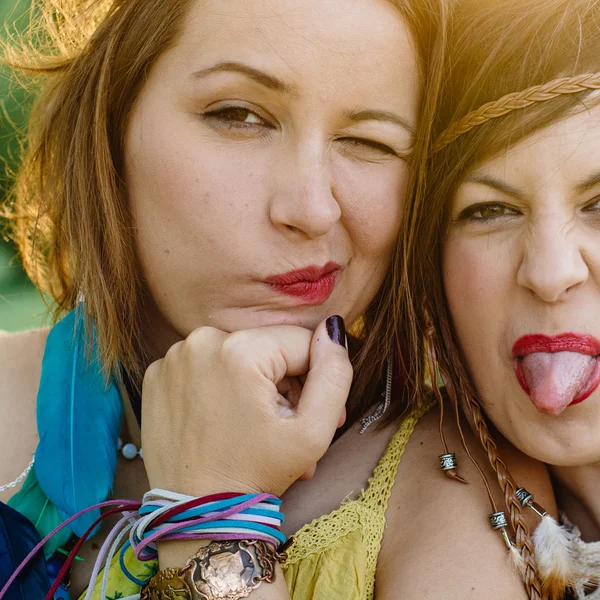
252,521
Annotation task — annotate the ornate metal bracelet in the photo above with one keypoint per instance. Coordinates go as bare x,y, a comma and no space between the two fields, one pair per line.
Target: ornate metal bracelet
220,571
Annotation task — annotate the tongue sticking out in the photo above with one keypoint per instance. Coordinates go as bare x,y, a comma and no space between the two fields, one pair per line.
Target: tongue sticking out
555,379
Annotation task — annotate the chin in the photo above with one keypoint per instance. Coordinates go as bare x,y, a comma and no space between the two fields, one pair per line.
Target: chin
559,446
236,320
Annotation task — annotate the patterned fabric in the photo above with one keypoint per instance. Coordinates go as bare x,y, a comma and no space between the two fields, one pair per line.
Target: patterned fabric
334,556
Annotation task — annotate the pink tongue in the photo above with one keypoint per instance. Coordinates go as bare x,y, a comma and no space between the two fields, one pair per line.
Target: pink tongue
555,380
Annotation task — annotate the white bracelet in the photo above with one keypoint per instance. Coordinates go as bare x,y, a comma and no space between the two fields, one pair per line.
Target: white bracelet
20,478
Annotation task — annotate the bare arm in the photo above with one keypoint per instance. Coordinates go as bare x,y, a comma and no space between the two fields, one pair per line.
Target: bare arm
20,366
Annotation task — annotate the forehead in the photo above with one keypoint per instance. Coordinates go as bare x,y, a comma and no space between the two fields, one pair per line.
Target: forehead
334,46
562,153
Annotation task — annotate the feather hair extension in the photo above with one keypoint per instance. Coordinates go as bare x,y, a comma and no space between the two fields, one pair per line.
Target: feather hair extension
32,503
554,554
515,560
78,416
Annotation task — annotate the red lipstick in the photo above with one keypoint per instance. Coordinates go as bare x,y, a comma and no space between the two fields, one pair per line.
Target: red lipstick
311,285
557,371
564,342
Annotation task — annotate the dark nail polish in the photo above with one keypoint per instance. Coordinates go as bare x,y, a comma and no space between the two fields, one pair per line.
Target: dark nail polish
336,329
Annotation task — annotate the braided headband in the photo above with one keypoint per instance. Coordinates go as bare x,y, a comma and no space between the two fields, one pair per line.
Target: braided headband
516,101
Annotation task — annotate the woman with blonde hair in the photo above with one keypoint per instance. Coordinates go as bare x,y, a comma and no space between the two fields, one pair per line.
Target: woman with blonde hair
501,257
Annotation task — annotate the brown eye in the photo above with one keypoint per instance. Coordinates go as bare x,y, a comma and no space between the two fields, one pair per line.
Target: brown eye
489,212
237,116
486,212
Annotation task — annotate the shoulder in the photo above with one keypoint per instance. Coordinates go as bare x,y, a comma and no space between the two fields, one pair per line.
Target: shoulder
438,543
20,366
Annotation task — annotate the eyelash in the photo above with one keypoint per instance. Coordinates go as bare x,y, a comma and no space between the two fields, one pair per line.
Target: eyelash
224,116
468,214
589,207
370,144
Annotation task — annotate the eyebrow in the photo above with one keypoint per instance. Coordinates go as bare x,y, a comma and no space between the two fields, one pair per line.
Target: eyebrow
496,184
265,79
582,187
380,115
588,184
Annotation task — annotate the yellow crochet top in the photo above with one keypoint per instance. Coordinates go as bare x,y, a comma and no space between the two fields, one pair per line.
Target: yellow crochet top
334,556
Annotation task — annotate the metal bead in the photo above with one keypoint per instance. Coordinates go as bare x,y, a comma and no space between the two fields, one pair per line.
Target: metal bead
526,500
141,453
523,496
498,520
129,451
448,461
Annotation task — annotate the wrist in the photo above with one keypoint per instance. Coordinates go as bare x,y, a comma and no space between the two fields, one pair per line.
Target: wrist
221,569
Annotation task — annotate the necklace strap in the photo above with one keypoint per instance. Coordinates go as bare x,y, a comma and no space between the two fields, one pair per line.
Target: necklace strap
20,478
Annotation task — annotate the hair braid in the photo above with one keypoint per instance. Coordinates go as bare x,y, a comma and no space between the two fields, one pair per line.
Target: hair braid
517,101
507,484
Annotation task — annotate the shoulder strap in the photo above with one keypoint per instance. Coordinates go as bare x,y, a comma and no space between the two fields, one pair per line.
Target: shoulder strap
381,481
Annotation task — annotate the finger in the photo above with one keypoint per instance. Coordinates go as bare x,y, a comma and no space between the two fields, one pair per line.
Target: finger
273,352
330,376
290,389
308,474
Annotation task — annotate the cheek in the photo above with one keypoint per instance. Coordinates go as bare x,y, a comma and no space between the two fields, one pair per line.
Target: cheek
189,198
371,199
475,287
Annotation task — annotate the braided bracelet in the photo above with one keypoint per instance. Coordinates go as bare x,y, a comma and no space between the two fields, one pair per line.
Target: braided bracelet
242,527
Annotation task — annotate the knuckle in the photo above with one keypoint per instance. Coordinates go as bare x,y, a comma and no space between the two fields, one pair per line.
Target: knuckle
173,352
151,373
203,336
340,371
237,348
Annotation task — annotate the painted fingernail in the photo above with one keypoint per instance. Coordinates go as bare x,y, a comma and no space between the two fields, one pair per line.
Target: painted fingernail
336,329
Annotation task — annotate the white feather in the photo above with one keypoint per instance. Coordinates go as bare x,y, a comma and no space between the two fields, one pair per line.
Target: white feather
515,560
554,554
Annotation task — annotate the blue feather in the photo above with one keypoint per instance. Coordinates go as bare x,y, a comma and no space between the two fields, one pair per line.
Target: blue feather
78,418
17,538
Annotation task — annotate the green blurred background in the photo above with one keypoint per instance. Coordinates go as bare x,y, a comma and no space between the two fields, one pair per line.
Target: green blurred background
20,304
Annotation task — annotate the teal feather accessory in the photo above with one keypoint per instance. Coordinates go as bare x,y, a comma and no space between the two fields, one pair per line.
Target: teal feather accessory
78,419
31,502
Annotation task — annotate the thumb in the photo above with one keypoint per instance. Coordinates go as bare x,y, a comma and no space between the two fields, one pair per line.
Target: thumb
330,373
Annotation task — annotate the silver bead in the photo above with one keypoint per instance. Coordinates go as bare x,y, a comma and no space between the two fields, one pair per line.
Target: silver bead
448,461
141,453
129,451
523,496
498,520
526,500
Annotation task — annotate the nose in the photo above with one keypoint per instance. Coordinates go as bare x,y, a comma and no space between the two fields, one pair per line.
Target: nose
303,204
553,263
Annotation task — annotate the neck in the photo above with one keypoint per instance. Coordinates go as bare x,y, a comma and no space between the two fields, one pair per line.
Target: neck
578,497
131,431
158,335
